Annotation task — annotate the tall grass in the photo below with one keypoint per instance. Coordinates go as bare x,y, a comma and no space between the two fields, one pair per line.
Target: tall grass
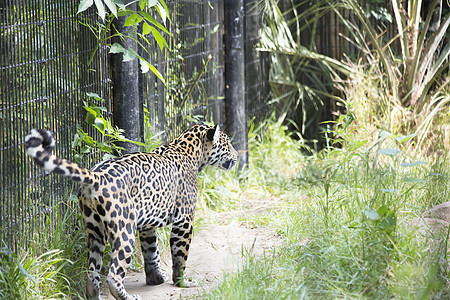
52,265
406,90
399,83
345,219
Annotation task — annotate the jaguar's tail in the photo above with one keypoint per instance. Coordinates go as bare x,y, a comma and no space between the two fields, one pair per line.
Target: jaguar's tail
39,144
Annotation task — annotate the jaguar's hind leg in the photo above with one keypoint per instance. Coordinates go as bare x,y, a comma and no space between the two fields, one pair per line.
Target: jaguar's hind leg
96,241
122,246
149,245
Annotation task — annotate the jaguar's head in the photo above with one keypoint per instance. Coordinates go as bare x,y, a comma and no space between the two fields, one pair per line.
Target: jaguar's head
217,149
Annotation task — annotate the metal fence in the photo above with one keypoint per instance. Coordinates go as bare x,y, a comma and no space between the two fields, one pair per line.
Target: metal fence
45,75
193,69
257,89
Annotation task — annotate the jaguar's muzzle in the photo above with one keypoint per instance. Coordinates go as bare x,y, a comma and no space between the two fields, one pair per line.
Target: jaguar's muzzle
229,164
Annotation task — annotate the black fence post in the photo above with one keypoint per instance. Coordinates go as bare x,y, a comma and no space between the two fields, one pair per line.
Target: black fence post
125,76
235,102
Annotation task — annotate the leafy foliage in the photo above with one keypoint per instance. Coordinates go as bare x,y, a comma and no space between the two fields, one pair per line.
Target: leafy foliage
109,134
300,77
403,90
133,19
14,279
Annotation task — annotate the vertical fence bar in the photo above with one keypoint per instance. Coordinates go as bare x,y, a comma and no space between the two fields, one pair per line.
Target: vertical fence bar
235,104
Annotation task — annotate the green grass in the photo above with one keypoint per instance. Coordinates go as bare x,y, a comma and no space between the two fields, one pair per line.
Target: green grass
51,265
343,215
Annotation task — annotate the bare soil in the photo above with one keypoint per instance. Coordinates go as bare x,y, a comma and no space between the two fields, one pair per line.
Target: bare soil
214,250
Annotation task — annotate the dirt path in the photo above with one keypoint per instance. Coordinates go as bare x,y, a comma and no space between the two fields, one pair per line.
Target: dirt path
215,249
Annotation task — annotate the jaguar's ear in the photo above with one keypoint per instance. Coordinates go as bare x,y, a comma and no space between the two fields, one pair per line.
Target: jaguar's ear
213,133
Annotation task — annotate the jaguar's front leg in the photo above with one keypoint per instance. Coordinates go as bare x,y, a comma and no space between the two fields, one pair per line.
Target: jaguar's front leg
180,239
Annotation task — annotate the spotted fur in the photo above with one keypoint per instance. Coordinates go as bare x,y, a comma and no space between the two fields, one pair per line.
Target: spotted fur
139,192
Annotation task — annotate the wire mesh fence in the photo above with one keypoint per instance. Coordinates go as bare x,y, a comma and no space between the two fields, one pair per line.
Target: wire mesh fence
257,87
193,70
45,75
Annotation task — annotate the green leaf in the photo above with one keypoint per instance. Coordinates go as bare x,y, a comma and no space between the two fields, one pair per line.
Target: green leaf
90,119
152,20
162,12
93,95
100,9
146,29
159,38
122,139
92,111
385,134
151,3
89,141
84,149
416,163
84,4
390,151
129,55
156,72
124,12
404,138
382,210
144,65
389,222
24,272
141,4
371,214
99,123
106,148
164,7
76,141
116,48
112,7
132,20
138,19
108,156
413,180
120,4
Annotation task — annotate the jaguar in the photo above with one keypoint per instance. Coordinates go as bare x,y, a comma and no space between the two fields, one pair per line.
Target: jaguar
139,192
